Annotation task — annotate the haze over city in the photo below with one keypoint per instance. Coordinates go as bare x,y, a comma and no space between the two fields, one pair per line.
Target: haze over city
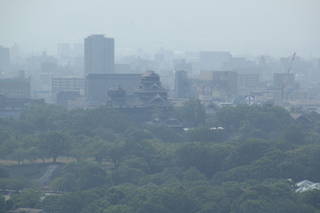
167,106
247,27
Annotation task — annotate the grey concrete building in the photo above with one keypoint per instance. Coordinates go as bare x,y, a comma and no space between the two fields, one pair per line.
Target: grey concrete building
182,86
67,88
15,87
98,54
219,84
4,59
98,85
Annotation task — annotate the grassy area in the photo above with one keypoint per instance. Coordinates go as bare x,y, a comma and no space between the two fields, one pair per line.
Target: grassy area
26,171
38,161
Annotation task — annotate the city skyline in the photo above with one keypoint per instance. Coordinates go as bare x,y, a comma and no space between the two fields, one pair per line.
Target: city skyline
275,28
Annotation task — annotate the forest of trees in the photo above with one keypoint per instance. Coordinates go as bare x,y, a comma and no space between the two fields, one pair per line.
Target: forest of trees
110,162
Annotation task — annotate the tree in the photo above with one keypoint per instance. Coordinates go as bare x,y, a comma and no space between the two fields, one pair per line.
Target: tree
13,183
207,159
52,204
19,155
43,117
312,198
91,175
116,152
192,113
28,198
204,134
54,144
80,176
117,209
294,135
3,206
4,173
269,119
247,152
168,199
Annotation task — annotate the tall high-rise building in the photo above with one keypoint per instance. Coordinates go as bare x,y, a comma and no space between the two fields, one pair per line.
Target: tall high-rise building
4,59
182,64
182,85
98,54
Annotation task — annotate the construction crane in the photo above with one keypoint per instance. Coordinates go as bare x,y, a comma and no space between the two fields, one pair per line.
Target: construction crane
286,78
291,62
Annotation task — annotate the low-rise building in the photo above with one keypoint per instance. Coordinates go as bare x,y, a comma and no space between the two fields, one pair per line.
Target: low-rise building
218,84
15,87
98,85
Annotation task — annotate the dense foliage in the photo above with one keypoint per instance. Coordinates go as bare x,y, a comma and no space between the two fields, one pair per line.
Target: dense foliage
108,161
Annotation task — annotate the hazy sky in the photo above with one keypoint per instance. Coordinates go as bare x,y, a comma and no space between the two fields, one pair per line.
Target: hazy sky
276,27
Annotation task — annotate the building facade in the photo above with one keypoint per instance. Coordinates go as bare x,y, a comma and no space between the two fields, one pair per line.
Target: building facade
67,89
182,86
66,84
98,54
281,80
98,85
248,83
218,84
15,87
4,59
